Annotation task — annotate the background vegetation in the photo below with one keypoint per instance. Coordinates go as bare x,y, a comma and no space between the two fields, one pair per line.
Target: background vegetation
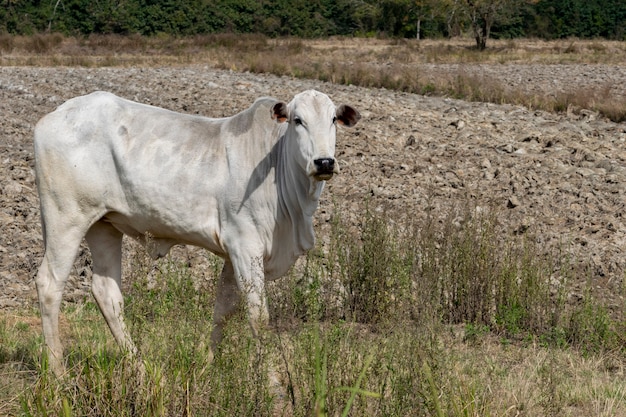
548,19
356,61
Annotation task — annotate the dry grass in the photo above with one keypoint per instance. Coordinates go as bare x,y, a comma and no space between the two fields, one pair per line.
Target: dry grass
201,49
433,67
535,381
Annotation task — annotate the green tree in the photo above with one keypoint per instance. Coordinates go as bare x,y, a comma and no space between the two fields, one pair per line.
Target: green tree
23,16
421,10
482,14
580,18
315,18
394,15
451,14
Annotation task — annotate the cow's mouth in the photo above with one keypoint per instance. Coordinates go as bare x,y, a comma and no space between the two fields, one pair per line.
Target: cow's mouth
323,176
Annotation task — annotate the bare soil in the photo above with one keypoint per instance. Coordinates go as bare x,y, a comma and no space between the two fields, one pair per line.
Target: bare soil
556,178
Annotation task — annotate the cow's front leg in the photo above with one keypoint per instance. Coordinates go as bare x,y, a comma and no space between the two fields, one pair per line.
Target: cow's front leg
246,280
250,277
227,300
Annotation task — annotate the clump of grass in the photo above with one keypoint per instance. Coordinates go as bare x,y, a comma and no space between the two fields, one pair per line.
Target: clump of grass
571,48
245,43
613,109
591,328
42,43
19,358
374,272
6,43
115,44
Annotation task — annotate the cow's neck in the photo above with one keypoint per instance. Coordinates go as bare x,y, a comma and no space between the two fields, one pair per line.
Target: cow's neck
298,198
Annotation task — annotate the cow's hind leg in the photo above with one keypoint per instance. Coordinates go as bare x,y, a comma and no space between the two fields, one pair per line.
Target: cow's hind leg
61,247
105,243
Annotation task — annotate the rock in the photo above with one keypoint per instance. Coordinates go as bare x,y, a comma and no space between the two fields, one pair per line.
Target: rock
508,148
459,124
12,189
512,202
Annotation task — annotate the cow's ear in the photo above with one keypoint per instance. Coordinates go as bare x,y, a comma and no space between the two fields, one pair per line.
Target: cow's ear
347,115
279,112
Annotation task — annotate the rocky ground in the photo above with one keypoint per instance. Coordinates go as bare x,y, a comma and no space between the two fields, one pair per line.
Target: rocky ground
557,177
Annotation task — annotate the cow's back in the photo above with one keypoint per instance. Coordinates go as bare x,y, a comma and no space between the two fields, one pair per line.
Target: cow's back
153,170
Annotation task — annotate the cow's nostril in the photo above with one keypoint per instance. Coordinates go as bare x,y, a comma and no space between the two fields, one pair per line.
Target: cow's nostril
325,164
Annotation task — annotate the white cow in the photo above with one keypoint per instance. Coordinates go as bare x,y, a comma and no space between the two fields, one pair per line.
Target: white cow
244,187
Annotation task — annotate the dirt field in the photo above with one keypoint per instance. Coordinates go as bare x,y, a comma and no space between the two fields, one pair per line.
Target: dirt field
558,179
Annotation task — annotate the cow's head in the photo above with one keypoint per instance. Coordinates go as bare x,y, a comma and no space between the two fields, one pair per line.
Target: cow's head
313,119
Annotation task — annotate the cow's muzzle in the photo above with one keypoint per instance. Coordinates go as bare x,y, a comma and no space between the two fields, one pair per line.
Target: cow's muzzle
325,168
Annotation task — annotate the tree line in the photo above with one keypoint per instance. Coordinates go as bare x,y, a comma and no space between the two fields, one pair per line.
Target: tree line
483,19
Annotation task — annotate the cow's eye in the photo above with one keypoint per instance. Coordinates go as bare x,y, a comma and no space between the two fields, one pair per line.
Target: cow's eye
334,119
297,121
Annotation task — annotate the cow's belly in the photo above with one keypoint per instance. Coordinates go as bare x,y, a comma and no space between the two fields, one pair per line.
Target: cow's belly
158,236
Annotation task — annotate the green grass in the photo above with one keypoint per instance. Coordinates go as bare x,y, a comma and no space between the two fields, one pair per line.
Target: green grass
431,319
